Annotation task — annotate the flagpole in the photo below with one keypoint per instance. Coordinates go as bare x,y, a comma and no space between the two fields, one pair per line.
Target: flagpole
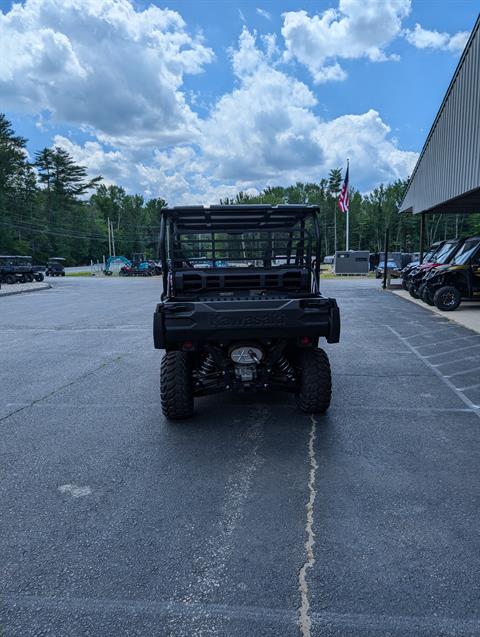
347,238
348,229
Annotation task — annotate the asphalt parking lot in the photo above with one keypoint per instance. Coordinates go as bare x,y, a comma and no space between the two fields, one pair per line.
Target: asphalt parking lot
115,522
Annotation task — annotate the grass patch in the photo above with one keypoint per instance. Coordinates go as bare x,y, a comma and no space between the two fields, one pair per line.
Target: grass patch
86,273
351,277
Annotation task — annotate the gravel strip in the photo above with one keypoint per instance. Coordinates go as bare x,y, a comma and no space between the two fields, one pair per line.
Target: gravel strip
18,288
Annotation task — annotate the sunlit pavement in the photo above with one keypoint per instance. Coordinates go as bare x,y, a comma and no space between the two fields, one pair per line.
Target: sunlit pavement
467,314
115,522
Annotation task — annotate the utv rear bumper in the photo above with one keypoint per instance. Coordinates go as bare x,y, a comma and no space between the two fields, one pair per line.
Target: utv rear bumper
175,322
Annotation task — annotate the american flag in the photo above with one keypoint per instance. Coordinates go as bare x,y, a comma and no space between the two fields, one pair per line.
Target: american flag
343,201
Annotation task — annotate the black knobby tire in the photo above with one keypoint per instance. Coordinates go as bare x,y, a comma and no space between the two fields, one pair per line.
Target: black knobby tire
404,284
10,279
315,382
421,290
427,295
176,387
413,292
39,277
447,298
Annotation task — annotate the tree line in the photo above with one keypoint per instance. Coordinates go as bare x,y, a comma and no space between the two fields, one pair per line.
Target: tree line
50,207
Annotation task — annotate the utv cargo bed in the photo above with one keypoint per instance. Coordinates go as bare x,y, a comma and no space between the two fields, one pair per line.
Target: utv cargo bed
213,321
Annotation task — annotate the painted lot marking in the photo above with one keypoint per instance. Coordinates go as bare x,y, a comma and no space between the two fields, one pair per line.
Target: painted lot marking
475,408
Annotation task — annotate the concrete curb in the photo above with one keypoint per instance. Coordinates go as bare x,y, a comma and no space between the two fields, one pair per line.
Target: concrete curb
39,286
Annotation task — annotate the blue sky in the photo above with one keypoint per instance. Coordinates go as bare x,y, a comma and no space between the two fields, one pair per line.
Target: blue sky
195,100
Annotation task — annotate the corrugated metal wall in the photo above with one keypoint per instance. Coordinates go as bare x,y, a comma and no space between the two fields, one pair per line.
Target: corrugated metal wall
449,164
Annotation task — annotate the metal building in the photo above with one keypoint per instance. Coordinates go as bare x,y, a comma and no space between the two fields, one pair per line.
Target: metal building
446,178
352,262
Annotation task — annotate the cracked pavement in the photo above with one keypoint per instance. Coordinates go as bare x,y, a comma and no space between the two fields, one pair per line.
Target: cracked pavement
115,522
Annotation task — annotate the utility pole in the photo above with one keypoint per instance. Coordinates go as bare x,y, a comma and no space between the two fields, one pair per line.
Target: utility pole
113,239
109,238
385,258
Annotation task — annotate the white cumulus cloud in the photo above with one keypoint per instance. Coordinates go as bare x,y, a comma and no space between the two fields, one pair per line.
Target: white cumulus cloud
102,65
358,28
427,39
117,73
266,131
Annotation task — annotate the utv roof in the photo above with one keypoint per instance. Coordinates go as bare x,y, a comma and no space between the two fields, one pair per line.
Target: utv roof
237,217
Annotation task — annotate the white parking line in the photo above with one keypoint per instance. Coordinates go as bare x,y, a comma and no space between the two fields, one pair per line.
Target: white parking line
451,351
464,371
462,397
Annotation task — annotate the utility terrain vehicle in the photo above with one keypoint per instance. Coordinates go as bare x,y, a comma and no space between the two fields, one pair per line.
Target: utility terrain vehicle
444,254
17,269
56,266
241,308
449,284
409,273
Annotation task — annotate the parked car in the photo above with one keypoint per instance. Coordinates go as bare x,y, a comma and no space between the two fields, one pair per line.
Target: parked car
392,268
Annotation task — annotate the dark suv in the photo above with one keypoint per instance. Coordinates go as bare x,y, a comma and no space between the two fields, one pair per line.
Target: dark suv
243,323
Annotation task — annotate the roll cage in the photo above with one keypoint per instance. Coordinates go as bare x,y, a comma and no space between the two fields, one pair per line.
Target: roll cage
239,247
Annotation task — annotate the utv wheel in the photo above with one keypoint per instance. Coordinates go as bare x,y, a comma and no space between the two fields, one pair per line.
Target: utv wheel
404,284
421,290
447,298
315,383
176,389
10,279
39,277
426,295
413,292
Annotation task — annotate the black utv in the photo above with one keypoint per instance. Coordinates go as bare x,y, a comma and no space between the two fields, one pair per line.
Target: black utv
444,254
234,315
449,284
56,266
16,269
411,271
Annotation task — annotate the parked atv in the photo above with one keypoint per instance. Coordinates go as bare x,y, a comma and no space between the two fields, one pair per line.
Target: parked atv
237,328
448,285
